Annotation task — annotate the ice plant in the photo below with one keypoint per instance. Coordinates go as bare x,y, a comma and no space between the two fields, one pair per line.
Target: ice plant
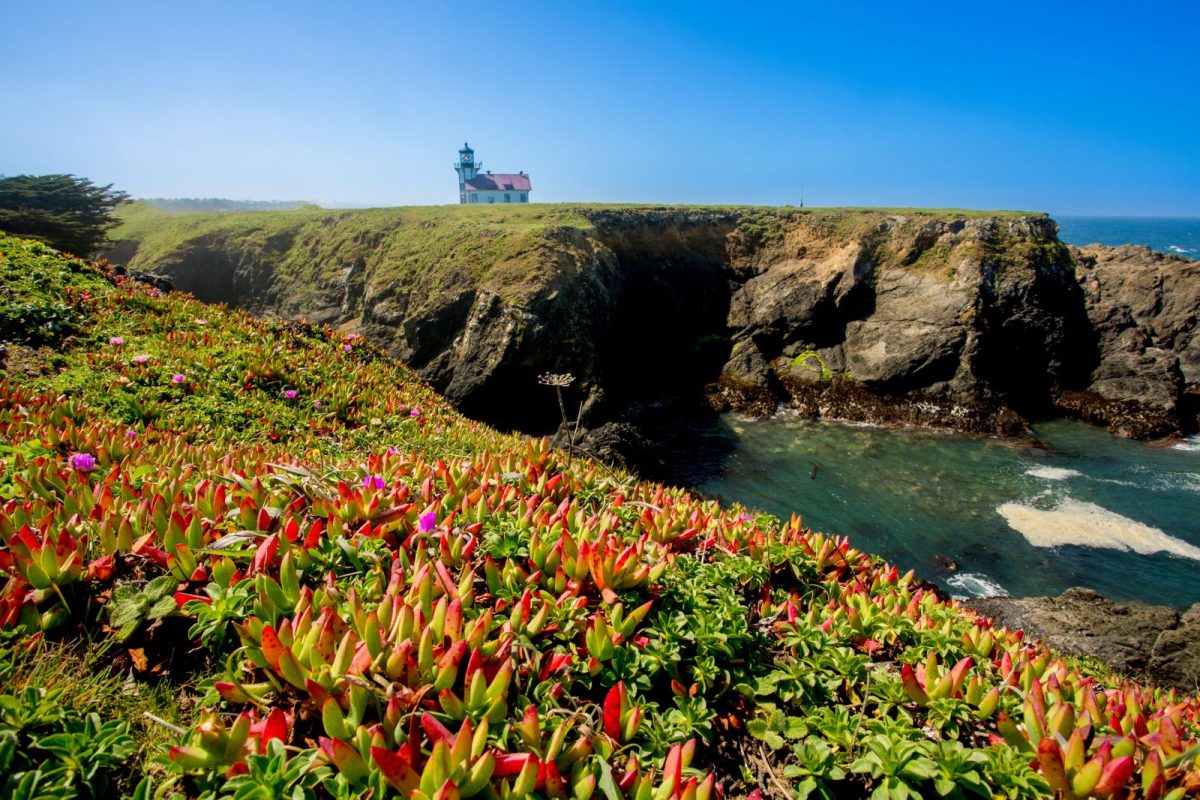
177,378
141,358
374,482
427,522
116,341
290,394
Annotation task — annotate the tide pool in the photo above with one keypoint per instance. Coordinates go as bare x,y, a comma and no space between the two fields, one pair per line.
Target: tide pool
983,516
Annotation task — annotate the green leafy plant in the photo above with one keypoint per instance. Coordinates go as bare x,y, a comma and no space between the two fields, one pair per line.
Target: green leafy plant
133,605
898,768
817,772
49,750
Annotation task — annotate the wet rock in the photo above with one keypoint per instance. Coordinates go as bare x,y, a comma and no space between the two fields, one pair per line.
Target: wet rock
1150,642
618,443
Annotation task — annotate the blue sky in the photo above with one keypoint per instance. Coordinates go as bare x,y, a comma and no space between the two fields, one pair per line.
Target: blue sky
1074,108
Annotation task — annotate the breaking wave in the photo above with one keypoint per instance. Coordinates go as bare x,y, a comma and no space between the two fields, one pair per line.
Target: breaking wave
975,584
1053,473
1191,444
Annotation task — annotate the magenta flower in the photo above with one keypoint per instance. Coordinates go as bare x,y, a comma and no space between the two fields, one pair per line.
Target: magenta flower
177,378
427,522
416,412
117,341
374,482
290,394
130,434
347,348
84,462
142,359
318,404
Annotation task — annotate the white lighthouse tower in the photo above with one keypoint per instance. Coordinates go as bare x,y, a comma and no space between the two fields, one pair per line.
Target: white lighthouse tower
466,168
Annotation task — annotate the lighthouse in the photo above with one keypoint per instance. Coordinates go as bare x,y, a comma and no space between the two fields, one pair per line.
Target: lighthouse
475,186
466,169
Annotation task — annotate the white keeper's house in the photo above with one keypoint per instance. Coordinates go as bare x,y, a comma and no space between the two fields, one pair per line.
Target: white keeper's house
475,186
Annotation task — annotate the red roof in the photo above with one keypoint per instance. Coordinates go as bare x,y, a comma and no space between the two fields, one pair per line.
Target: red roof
499,182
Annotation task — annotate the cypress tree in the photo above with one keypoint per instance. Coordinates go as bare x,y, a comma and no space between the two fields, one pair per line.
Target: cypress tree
68,213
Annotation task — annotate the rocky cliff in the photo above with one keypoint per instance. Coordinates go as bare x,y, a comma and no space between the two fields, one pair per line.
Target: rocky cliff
978,321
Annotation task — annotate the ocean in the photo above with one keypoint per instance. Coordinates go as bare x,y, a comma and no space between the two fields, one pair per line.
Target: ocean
984,516
1176,235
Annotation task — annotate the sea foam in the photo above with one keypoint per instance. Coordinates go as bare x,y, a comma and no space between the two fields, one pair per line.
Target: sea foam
975,584
1191,444
1053,473
1090,525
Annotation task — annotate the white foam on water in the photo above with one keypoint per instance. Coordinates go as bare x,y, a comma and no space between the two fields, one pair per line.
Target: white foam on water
1190,444
1090,525
1053,473
975,584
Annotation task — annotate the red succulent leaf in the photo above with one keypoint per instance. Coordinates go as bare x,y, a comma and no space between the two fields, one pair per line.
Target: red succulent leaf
275,727
1116,774
183,598
511,763
436,730
271,646
265,553
613,703
397,769
1051,761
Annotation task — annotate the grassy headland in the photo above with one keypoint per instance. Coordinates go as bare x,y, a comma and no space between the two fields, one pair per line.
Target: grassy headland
324,582
440,248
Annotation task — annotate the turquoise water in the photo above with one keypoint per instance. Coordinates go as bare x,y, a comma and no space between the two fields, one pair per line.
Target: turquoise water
1177,235
1014,518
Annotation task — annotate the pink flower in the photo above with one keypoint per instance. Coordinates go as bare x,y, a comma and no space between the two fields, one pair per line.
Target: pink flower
374,482
416,412
177,378
84,462
317,404
116,341
290,394
142,359
347,348
427,522
130,434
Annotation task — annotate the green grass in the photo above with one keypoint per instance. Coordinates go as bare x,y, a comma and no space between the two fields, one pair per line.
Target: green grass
434,252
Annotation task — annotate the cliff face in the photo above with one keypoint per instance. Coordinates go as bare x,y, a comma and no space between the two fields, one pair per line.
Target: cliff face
969,320
1143,309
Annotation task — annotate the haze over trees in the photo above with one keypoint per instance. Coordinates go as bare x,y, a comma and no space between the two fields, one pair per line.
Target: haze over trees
222,204
66,212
